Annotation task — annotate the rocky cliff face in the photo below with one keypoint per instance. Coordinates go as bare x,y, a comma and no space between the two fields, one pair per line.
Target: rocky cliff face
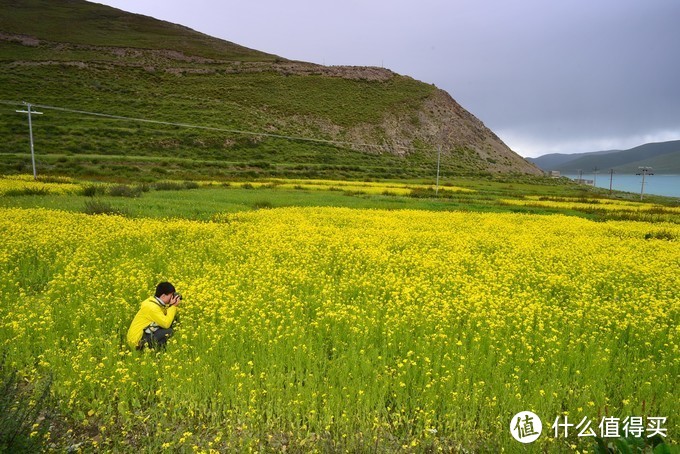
442,123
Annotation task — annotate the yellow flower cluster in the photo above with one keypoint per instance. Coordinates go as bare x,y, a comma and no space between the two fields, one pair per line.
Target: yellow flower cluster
592,204
333,328
372,187
18,183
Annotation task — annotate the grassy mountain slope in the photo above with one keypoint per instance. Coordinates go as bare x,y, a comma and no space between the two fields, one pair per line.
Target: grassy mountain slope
98,25
667,163
127,65
663,156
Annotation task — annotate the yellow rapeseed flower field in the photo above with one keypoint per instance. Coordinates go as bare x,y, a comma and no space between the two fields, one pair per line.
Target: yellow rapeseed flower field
332,329
371,187
57,185
598,204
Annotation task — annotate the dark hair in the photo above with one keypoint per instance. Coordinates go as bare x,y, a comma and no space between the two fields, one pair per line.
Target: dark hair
164,288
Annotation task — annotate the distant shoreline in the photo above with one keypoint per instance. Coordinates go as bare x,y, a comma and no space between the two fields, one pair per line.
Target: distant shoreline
657,184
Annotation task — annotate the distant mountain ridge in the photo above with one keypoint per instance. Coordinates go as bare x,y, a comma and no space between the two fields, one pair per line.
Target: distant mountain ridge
363,122
553,160
663,157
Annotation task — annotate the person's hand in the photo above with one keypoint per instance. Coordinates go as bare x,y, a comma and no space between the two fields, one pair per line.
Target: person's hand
174,300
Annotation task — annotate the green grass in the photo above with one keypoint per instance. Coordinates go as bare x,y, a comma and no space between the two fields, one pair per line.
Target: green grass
255,99
172,200
203,204
265,102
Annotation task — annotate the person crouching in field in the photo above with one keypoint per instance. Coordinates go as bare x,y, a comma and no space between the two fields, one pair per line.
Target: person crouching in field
152,326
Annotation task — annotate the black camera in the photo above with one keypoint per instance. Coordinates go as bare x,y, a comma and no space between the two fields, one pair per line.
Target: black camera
178,295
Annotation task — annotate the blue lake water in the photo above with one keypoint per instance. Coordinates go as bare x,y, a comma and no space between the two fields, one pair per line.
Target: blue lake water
668,185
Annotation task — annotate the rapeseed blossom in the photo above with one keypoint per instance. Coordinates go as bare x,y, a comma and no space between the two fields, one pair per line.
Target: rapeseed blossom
333,327
57,185
591,204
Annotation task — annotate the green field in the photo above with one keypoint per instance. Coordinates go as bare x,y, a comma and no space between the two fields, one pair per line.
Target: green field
172,199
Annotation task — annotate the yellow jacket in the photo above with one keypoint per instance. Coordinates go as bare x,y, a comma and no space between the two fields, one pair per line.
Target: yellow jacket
149,312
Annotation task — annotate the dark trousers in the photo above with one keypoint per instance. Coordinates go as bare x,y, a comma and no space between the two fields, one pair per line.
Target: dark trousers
157,339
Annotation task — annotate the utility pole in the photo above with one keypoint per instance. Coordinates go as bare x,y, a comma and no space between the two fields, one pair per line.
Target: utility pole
644,171
580,176
439,154
611,180
595,172
30,133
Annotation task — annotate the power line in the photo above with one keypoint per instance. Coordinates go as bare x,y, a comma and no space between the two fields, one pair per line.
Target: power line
351,145
210,128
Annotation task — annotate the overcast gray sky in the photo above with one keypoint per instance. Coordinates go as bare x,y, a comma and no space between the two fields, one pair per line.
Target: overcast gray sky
547,76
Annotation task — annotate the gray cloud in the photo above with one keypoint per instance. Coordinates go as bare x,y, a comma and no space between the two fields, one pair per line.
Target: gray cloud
558,76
